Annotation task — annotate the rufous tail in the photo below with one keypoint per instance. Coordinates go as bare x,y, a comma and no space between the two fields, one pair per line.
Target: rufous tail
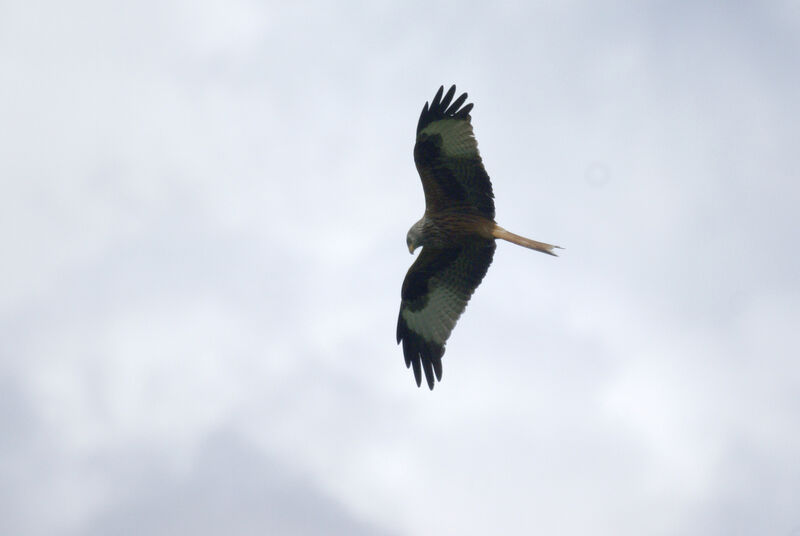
499,232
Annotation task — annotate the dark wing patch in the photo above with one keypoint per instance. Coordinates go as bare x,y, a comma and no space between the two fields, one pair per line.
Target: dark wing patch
447,157
415,285
435,292
443,177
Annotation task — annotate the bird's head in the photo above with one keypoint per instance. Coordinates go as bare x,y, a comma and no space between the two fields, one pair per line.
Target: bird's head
414,237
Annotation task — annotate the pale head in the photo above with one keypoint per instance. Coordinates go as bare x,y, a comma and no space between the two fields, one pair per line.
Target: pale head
414,236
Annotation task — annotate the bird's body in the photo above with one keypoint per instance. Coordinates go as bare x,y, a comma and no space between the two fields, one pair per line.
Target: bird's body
450,226
457,234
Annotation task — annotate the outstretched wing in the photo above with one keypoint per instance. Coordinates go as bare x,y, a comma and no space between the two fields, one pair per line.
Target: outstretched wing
447,158
435,292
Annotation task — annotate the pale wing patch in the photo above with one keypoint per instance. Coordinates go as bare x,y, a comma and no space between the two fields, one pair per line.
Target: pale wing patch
436,320
457,136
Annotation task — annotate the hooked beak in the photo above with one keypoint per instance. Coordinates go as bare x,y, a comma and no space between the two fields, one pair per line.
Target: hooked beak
411,248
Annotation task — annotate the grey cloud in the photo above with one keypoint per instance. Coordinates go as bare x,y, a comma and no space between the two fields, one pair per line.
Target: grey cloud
228,487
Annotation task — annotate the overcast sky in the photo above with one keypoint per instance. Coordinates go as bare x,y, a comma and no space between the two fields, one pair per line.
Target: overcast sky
203,209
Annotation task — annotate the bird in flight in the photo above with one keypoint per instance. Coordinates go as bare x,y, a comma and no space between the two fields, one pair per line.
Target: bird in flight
457,233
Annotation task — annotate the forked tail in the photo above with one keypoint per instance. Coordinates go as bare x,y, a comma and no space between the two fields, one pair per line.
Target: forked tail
499,232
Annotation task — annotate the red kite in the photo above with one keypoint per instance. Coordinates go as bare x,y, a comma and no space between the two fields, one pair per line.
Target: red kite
457,233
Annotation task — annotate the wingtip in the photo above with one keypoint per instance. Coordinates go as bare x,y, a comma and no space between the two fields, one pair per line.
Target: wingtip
437,98
464,112
443,106
448,97
456,105
417,374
